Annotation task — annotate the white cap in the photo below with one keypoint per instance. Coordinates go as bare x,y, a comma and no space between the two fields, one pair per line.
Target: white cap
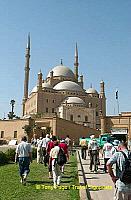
92,136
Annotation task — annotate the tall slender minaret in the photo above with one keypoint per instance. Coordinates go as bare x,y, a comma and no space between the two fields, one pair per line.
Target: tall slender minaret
27,69
102,99
76,64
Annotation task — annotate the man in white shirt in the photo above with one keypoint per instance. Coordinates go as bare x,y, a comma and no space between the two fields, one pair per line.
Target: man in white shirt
45,141
39,151
55,167
107,153
24,157
93,149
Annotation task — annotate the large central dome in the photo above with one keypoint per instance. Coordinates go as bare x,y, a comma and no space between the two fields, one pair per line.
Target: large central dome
68,85
62,70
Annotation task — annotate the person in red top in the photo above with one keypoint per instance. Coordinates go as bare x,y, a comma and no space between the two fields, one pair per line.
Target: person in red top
50,145
64,146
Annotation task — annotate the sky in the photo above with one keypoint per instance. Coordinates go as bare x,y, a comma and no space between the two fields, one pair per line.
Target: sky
101,28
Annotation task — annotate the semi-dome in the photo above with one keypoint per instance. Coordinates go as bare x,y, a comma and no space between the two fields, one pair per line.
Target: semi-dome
91,91
75,100
68,85
34,89
62,70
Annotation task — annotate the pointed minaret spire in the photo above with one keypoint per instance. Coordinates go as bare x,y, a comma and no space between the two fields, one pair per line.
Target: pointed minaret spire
91,85
28,42
27,69
76,64
76,51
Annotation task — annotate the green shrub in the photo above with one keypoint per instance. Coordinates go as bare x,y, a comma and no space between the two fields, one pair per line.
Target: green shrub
34,153
3,158
10,154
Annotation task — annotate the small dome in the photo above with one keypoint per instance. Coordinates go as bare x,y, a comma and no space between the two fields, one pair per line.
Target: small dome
91,91
62,70
68,85
75,100
46,85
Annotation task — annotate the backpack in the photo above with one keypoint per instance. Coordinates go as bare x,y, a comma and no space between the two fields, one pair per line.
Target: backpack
61,159
125,176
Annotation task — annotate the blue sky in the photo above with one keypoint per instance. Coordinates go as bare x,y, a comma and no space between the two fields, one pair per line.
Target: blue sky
101,28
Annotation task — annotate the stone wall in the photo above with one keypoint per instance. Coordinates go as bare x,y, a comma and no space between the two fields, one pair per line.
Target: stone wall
75,131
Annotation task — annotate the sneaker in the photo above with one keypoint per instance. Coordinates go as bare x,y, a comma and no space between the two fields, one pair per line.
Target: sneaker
21,180
24,179
55,186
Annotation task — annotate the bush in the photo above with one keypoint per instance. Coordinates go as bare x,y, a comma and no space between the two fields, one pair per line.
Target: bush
3,158
10,154
34,153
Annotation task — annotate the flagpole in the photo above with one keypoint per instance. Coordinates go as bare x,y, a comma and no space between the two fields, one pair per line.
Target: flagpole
118,106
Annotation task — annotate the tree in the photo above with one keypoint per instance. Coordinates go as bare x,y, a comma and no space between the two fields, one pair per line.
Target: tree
11,114
28,130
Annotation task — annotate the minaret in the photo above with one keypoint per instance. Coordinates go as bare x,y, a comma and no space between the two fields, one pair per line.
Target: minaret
76,64
27,69
102,89
102,99
81,80
39,85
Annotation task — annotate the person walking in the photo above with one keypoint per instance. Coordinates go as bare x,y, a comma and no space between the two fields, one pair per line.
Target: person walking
50,145
39,151
69,144
45,141
84,146
122,188
56,169
24,157
64,146
93,150
107,153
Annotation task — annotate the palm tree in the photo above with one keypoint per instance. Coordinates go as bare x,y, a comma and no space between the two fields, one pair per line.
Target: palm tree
12,102
11,114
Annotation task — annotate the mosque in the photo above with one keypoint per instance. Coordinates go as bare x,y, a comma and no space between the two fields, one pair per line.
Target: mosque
63,93
60,102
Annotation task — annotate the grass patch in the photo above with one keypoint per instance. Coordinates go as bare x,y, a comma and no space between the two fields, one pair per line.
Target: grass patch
38,185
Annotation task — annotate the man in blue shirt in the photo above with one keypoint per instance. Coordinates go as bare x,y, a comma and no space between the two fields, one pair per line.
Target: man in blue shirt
122,190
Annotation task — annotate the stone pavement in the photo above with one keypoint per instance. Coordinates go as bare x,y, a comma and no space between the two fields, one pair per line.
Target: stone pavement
100,184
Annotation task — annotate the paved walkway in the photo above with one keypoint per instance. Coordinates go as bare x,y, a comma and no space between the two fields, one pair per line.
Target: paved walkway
100,185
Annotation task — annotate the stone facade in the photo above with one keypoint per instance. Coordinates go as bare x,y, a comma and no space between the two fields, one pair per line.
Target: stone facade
123,121
13,129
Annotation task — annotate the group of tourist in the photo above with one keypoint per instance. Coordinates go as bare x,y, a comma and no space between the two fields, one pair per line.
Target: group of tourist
93,151
114,153
50,151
